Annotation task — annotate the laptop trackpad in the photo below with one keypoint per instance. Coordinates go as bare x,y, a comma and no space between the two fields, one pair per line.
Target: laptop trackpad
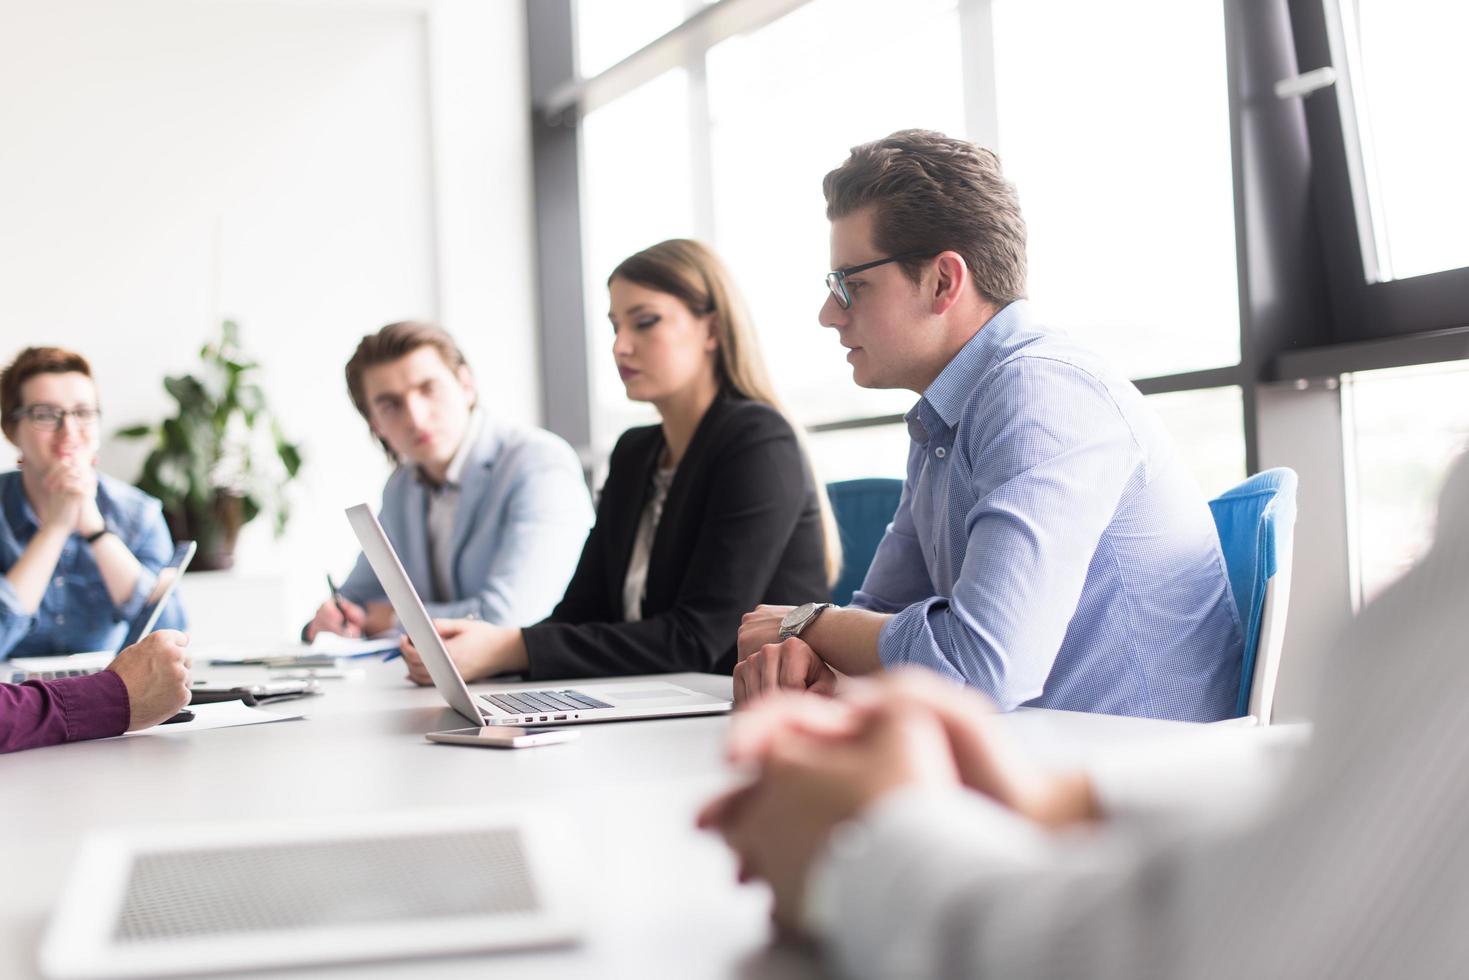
639,696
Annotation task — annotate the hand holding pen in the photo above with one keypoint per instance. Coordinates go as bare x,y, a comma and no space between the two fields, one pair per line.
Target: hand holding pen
337,615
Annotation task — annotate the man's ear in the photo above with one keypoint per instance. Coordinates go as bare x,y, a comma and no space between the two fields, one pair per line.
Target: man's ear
950,275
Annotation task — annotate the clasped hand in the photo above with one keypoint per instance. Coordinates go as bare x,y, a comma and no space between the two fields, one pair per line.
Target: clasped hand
821,761
71,497
767,663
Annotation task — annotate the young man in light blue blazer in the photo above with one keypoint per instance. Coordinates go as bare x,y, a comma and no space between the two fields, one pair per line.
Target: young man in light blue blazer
488,519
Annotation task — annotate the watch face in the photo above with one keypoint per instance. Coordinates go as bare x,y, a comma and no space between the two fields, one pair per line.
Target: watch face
797,616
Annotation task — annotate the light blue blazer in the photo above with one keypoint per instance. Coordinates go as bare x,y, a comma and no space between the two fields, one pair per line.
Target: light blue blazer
522,518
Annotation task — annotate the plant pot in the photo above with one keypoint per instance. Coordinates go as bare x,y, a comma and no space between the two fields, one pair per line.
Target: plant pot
215,531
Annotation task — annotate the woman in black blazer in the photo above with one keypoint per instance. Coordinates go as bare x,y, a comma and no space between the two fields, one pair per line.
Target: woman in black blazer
704,516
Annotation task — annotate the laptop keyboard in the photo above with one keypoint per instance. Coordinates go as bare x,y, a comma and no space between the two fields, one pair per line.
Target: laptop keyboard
21,676
533,702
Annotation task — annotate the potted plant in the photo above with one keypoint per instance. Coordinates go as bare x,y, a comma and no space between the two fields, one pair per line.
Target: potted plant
222,460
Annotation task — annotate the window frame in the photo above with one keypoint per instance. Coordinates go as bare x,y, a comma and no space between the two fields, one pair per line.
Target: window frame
1407,310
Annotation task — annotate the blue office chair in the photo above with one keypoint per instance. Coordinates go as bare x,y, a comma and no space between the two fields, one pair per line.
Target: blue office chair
1256,522
863,509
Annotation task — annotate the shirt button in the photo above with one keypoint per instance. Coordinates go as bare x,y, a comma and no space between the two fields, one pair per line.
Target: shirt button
59,582
60,620
940,452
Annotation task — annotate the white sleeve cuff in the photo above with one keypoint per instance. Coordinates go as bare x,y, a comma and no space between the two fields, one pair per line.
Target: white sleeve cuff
877,893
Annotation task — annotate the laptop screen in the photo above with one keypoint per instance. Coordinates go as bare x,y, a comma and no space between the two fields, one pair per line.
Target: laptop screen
168,580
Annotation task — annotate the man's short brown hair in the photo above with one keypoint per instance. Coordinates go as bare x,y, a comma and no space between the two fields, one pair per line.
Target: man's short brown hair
27,364
932,194
390,343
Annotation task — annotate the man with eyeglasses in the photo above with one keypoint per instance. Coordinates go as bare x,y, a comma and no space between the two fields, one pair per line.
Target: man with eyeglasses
1050,548
79,551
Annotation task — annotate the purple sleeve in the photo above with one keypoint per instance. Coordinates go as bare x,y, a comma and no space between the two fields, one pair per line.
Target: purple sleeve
39,713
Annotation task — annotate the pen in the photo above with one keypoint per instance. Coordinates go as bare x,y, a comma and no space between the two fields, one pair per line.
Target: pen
336,596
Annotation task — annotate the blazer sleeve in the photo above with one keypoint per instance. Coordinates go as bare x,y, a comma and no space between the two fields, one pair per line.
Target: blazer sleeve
585,596
545,526
757,492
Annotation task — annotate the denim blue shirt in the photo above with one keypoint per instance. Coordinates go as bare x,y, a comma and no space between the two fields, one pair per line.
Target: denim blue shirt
1050,548
76,613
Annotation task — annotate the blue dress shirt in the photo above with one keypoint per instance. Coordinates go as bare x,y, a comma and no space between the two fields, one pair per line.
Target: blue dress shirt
1050,548
76,613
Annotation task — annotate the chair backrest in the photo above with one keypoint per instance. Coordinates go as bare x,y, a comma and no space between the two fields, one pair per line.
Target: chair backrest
863,509
1256,522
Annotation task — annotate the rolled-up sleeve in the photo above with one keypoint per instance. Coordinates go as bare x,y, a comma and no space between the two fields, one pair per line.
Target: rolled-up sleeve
71,709
15,621
1048,458
897,575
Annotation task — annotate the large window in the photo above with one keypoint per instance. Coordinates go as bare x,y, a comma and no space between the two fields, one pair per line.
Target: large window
1207,434
1125,181
638,190
785,104
1255,210
1407,426
1405,94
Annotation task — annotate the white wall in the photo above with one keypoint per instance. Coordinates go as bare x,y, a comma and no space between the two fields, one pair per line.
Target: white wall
313,170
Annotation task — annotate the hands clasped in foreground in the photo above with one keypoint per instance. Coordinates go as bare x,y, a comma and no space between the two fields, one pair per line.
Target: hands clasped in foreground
820,761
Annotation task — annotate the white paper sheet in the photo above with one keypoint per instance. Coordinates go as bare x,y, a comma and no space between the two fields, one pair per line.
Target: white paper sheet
220,714
76,661
342,646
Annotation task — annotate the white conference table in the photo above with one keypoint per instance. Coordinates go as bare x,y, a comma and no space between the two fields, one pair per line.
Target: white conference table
663,896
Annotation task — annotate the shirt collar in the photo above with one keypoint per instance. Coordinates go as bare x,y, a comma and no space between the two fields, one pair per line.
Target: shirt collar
954,387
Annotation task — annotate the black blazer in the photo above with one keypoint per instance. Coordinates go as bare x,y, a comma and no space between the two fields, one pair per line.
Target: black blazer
740,527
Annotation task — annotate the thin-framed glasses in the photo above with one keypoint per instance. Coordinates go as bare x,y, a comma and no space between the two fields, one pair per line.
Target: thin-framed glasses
49,418
836,281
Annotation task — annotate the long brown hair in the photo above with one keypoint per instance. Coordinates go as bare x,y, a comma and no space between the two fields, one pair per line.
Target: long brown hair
691,272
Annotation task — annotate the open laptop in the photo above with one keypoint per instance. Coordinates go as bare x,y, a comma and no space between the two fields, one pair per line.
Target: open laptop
567,703
82,664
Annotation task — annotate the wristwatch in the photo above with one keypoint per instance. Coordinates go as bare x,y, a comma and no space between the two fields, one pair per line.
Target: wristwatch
801,617
96,536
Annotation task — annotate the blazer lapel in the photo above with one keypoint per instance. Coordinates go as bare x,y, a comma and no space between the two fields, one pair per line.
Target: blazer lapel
690,470
414,551
632,497
474,485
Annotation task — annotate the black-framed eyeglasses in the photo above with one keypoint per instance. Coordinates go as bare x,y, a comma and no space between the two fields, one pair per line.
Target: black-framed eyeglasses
49,418
836,281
